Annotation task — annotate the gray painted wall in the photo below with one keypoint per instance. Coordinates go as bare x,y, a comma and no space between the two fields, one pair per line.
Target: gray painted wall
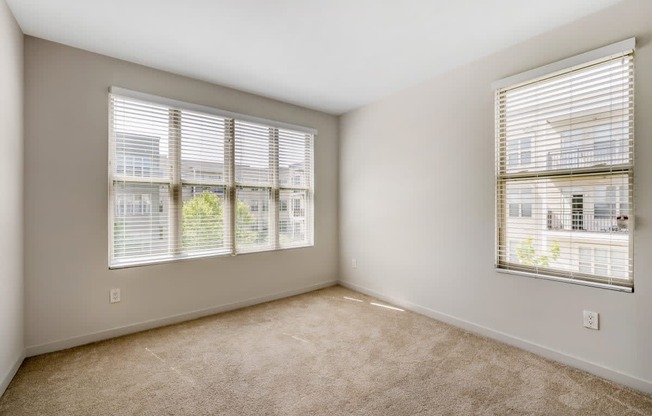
67,280
11,197
417,208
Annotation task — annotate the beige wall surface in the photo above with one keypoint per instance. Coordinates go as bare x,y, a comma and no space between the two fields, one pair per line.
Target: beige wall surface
417,208
67,280
11,198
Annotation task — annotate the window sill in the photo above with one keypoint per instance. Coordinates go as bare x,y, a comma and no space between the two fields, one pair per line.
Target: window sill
197,257
567,280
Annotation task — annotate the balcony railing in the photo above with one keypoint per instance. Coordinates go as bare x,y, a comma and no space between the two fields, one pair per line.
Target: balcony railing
585,156
582,221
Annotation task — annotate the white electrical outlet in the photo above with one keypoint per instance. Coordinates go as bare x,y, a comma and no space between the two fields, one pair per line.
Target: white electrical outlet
354,263
115,295
591,320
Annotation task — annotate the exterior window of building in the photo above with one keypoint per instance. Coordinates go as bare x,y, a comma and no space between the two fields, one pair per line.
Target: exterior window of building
564,169
514,209
520,152
520,203
604,261
191,181
284,226
297,208
605,204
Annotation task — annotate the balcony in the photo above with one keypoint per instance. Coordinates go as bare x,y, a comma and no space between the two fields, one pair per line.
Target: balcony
586,156
580,221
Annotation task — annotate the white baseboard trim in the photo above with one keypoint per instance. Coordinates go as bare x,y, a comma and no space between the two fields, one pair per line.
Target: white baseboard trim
6,378
63,344
552,354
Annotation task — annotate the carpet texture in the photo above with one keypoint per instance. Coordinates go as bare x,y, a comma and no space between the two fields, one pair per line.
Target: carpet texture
329,352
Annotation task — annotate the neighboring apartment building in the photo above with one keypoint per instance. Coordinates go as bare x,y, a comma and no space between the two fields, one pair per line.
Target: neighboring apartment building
580,226
145,206
292,206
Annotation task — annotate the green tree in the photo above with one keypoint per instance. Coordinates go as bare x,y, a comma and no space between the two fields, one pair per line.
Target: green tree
244,226
527,255
118,235
203,222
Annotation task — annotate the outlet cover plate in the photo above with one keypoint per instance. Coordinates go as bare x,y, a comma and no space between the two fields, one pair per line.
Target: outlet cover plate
114,296
591,320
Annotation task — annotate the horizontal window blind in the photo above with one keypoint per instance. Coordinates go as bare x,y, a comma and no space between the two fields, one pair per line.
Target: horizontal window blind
186,183
564,174
295,183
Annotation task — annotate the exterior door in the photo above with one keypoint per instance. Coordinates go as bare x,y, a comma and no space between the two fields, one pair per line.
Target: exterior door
578,212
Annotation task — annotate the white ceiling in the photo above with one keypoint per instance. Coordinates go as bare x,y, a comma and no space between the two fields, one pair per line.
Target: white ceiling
329,55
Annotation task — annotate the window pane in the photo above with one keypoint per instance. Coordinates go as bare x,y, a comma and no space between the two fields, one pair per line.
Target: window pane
512,159
252,227
294,218
141,141
513,254
295,150
514,210
586,260
526,151
623,200
601,258
140,221
604,210
252,149
559,218
202,148
619,266
527,200
580,119
203,219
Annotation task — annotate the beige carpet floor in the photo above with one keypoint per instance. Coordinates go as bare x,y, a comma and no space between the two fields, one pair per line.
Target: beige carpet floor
329,352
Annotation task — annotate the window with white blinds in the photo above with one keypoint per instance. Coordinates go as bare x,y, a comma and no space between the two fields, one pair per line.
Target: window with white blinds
190,181
564,172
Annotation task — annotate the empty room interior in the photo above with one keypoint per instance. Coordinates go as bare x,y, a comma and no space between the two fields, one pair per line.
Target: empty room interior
326,208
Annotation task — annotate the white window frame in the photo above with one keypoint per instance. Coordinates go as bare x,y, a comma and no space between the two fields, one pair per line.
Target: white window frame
503,165
175,183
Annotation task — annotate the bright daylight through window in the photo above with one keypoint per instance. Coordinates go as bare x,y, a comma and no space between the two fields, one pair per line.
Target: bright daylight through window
190,181
564,171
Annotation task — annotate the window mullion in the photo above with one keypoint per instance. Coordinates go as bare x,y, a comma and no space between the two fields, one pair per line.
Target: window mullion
274,202
230,193
176,224
310,197
112,200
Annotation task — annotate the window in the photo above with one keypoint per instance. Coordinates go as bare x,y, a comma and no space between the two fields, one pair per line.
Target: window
519,152
605,203
190,181
520,203
134,204
564,169
605,261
